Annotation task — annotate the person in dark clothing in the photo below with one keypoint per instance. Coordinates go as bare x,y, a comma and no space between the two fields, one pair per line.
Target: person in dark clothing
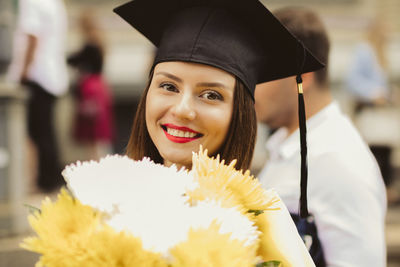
93,123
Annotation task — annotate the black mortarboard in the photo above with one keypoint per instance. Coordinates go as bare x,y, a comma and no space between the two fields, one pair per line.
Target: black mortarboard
241,37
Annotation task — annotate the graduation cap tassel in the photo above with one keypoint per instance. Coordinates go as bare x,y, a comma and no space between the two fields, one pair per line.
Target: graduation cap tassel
303,149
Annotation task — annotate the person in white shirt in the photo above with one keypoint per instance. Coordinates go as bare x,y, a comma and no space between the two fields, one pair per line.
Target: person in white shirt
39,63
346,194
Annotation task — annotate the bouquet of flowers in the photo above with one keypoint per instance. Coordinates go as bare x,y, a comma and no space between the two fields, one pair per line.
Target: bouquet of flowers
120,212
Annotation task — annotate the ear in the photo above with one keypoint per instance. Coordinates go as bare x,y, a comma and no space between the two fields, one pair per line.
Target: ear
308,80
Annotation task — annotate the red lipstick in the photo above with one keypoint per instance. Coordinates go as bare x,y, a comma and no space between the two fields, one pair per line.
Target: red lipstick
177,139
181,128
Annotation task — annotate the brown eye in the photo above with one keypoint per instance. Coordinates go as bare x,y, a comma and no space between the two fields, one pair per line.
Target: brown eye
212,95
169,87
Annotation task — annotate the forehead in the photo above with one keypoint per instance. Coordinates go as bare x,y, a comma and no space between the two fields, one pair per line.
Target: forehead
188,71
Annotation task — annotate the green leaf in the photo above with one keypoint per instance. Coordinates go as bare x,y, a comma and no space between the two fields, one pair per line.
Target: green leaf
270,264
32,209
256,212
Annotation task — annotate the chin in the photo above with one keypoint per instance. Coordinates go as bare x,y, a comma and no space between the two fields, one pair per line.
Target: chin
179,158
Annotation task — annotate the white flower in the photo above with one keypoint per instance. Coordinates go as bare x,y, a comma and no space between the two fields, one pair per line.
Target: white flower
230,219
116,181
149,201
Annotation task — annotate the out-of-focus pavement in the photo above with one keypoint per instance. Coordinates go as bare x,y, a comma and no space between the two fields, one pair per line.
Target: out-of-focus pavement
393,228
393,236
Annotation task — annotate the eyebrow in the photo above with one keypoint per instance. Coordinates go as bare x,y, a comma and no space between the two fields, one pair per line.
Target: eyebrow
220,85
202,84
169,75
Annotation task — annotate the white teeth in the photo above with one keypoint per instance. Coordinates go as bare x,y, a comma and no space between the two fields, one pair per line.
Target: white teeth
179,133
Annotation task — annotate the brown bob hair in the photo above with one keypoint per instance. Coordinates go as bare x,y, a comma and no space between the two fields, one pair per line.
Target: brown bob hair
239,143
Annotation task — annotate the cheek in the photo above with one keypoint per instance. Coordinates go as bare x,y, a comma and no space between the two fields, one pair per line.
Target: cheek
149,109
154,106
152,114
224,121
218,122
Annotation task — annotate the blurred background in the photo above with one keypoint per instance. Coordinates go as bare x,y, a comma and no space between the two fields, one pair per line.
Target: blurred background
127,58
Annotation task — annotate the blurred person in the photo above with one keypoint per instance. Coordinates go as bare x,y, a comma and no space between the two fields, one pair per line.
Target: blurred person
367,78
93,124
368,82
39,63
346,196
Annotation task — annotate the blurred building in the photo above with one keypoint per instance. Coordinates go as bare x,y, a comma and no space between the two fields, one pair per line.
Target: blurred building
6,26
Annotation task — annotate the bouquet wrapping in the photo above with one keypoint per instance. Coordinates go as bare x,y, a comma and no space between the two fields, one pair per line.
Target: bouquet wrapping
121,212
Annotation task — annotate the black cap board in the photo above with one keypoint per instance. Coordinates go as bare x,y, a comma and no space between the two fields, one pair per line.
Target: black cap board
241,37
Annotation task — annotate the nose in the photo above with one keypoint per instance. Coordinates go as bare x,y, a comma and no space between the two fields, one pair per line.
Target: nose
184,107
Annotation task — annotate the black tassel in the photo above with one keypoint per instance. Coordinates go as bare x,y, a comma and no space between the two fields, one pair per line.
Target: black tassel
303,150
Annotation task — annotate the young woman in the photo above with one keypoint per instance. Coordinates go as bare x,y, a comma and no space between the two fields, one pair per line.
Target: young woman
187,105
210,56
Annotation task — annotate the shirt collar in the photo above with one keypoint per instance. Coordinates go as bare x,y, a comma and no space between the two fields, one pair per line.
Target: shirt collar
282,145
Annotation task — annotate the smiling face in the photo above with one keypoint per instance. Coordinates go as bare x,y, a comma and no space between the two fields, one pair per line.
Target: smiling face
188,105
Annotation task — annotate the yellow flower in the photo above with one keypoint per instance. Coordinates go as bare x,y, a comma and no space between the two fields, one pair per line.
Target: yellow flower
71,234
109,248
209,248
223,182
63,229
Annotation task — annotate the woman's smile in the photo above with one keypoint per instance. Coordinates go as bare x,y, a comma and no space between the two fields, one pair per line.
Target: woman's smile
180,134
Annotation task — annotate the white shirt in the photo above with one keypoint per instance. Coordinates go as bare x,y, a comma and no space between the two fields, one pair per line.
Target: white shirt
346,194
47,21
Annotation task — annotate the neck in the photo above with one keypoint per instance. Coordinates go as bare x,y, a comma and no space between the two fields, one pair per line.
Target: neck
315,100
178,166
